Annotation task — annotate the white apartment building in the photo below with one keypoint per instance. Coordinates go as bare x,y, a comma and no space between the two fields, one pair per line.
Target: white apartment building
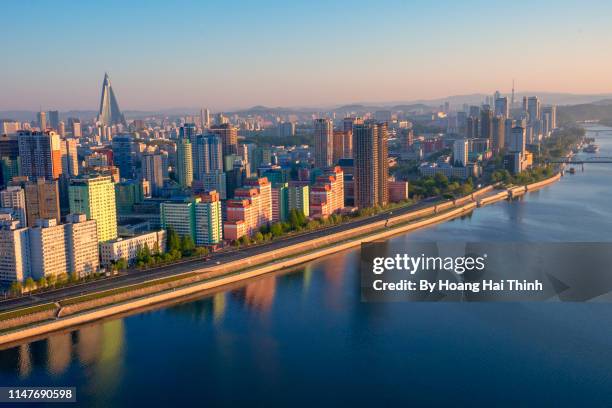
14,251
127,248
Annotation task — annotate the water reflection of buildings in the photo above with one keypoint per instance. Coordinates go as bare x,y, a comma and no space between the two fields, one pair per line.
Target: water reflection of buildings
203,309
259,295
59,352
218,306
307,281
100,344
334,270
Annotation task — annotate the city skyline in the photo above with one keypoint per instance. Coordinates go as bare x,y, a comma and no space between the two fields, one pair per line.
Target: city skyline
274,57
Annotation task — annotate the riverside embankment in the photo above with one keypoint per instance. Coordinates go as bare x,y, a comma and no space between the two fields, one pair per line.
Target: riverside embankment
82,309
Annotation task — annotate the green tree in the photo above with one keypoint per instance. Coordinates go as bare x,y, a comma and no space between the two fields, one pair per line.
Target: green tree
42,282
121,264
173,240
74,277
258,237
294,220
441,180
30,284
312,225
187,245
201,251
147,258
16,288
62,278
175,254
276,229
51,280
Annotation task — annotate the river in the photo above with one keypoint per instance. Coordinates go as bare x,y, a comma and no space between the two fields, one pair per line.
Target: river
304,337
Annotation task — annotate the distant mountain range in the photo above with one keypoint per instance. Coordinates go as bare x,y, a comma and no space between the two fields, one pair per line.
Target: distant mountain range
406,106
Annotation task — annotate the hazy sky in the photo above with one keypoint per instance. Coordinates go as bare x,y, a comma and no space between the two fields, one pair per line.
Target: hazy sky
228,54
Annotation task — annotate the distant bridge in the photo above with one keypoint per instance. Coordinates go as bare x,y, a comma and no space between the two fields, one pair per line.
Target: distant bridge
588,160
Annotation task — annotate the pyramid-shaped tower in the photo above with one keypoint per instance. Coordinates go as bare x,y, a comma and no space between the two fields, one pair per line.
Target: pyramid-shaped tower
109,113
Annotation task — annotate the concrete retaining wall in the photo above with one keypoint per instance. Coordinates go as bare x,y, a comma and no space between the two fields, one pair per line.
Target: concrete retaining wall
502,195
482,191
117,298
543,183
27,319
517,191
78,316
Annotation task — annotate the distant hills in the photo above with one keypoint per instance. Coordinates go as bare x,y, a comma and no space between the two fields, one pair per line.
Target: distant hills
580,106
598,110
549,98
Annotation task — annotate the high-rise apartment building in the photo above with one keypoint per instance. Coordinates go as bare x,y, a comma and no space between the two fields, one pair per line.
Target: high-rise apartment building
498,133
184,162
229,137
94,196
207,155
204,118
508,125
286,129
41,120
460,152
406,136
551,111
215,181
128,193
42,200
370,153
14,251
323,143
152,171
82,245
264,206
249,210
180,216
533,108
48,249
327,194
208,220
517,140
70,248
70,160
486,123
342,145
348,123
75,126
40,154
280,202
9,158
501,107
472,127
299,198
54,121
123,157
13,197
188,131
474,111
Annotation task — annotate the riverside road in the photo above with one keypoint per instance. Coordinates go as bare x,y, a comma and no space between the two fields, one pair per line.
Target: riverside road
135,276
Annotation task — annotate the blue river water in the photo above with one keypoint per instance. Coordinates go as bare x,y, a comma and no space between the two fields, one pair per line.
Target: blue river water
303,337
